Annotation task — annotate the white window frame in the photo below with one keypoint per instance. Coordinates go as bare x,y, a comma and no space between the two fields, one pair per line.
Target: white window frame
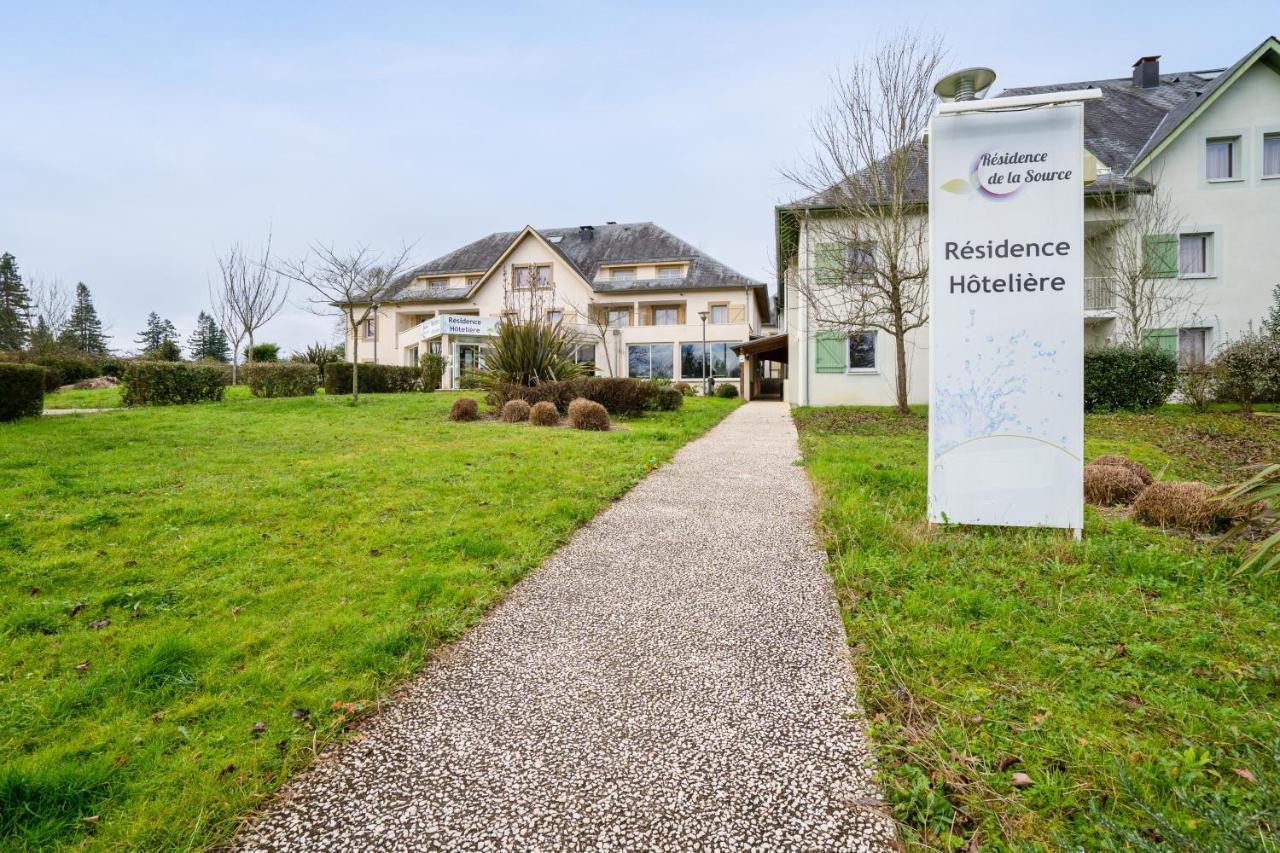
1236,141
711,316
1207,236
370,328
875,353
1268,136
622,274
670,271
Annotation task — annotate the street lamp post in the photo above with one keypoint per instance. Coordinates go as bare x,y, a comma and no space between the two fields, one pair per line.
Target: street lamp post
706,365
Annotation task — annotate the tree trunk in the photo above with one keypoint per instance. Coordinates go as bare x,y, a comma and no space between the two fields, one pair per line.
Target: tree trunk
355,360
900,354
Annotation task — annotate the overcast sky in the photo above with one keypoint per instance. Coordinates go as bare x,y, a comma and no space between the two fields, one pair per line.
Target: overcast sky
139,139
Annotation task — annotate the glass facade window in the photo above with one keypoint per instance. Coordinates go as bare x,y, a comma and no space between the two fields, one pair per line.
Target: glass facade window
724,361
862,351
649,361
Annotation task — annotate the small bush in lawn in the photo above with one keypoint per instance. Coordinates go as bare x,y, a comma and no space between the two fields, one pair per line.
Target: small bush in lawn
667,398
1248,371
726,391
373,378
544,413
586,414
1191,506
464,409
1107,485
21,390
1197,385
432,367
515,411
282,379
1124,379
686,389
163,383
1124,462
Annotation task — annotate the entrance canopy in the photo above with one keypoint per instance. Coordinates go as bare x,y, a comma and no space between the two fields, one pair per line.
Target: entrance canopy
453,324
772,348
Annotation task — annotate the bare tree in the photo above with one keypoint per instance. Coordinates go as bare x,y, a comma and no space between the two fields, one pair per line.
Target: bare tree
866,213
222,307
593,326
1136,256
352,282
51,301
252,291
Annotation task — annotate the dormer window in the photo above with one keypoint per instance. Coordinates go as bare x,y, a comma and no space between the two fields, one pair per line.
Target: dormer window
1222,159
622,274
435,285
671,271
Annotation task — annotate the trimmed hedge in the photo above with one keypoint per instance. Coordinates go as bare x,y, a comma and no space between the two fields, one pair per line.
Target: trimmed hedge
282,379
726,390
373,378
667,398
21,390
1122,379
619,395
70,368
164,383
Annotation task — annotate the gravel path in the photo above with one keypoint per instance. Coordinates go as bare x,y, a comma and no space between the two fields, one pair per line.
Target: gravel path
674,678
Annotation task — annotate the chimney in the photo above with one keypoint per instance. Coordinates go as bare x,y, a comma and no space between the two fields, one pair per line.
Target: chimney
586,232
1146,72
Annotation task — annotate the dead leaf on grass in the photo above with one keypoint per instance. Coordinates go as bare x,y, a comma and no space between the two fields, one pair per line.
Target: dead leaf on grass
1020,780
83,666
1244,774
76,608
259,727
99,624
1007,762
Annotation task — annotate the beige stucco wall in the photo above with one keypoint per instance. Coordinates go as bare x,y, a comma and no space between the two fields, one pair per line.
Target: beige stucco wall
575,298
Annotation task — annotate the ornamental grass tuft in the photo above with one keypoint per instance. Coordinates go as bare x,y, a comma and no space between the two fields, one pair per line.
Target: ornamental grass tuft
585,414
544,414
464,409
1108,485
1124,462
514,412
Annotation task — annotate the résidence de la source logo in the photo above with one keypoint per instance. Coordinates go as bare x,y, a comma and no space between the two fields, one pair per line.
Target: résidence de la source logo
1013,282
1001,175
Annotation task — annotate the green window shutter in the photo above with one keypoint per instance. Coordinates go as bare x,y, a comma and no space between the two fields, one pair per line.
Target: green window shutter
829,352
1160,255
1165,339
829,260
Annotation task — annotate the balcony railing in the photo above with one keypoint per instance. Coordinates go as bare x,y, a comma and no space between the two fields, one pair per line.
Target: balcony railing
1099,295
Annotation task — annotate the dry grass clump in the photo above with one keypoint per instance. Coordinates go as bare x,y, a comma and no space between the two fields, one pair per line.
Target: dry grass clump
544,414
585,414
514,411
1107,485
464,409
1124,462
1191,506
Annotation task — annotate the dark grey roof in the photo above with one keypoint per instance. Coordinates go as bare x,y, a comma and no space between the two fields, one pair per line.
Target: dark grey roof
625,243
1121,127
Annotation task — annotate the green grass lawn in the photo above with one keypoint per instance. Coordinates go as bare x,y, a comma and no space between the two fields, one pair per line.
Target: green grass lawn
1134,676
89,398
197,598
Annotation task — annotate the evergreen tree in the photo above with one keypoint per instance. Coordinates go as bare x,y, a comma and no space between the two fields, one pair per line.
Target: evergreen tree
84,330
15,306
207,341
157,334
1271,322
42,336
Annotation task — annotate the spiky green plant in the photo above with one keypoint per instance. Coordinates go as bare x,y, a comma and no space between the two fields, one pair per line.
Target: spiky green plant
1261,491
529,351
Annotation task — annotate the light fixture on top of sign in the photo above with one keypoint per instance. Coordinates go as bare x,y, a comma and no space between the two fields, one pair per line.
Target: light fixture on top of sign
967,84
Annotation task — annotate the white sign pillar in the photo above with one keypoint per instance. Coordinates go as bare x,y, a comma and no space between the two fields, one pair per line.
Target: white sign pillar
1006,324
